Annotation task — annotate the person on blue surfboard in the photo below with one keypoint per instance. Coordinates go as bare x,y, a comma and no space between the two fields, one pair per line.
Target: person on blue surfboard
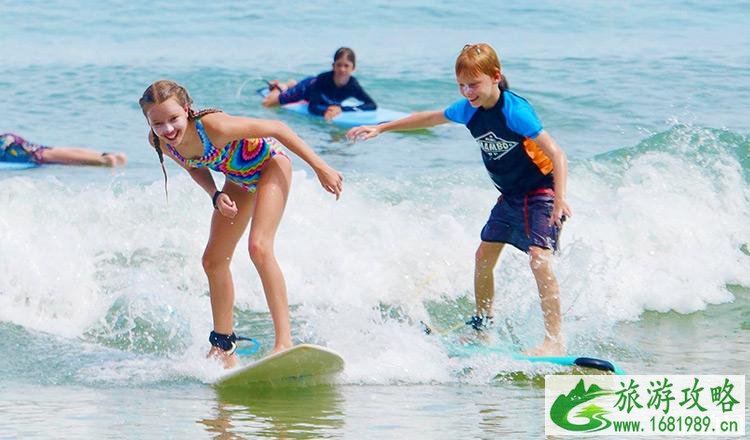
326,92
250,153
14,148
527,167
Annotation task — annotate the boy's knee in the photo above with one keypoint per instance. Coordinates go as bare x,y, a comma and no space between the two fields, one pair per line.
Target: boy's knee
479,254
488,252
539,258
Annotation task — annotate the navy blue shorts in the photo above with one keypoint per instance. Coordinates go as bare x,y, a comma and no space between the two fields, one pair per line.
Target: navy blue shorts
523,221
297,93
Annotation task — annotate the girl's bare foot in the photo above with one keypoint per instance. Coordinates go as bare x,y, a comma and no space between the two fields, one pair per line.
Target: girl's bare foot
278,348
229,360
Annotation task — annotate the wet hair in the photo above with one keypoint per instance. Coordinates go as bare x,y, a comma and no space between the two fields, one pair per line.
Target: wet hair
345,52
479,58
159,92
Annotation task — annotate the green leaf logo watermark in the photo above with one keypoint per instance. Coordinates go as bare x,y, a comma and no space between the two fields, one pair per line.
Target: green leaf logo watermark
667,404
565,404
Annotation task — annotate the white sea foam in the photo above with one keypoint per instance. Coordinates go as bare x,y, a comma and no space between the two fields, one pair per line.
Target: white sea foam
655,232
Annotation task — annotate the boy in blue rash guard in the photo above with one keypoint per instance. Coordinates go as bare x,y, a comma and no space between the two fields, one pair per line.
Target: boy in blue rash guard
326,92
527,167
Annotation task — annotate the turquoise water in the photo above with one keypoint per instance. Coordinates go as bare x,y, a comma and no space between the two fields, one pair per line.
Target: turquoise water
104,310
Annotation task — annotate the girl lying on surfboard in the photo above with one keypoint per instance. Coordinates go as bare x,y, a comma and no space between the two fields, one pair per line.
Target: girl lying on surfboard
249,152
14,148
527,167
325,92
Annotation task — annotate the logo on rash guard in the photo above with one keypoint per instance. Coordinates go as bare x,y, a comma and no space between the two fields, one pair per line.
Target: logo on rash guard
494,146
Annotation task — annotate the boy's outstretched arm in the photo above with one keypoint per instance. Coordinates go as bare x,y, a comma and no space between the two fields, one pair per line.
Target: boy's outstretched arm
414,121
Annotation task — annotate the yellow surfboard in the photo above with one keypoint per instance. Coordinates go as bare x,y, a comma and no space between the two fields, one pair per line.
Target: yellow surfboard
304,364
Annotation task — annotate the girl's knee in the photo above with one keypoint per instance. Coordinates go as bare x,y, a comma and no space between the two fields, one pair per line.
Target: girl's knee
214,263
260,249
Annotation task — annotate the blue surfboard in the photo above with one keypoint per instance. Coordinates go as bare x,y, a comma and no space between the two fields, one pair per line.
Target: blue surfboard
467,350
345,119
14,166
456,348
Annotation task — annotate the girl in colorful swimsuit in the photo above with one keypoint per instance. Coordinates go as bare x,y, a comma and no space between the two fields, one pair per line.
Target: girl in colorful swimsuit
14,148
326,92
527,167
258,176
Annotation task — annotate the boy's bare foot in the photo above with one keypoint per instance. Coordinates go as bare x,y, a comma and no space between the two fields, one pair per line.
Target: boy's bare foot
550,347
473,337
229,360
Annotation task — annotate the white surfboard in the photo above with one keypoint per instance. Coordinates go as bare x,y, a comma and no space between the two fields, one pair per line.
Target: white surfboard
301,364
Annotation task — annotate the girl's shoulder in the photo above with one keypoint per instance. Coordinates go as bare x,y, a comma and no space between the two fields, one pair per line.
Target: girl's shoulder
353,81
222,128
327,75
214,124
211,119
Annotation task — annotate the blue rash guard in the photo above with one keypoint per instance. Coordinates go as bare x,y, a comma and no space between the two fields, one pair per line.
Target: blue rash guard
505,136
324,93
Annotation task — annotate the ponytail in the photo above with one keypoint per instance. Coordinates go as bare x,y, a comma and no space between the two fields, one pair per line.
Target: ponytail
503,83
192,115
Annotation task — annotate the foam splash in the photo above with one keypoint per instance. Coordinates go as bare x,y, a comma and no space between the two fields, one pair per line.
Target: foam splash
656,227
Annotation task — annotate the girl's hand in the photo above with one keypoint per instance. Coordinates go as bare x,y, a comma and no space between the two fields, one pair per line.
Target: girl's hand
226,206
332,112
276,85
332,180
363,132
560,212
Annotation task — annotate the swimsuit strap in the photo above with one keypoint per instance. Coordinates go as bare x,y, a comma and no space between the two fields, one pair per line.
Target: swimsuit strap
207,145
175,153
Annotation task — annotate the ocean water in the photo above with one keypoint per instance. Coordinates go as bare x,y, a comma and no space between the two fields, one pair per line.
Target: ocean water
104,308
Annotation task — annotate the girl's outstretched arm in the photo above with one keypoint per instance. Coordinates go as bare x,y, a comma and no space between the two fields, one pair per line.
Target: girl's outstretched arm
414,121
560,167
229,128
